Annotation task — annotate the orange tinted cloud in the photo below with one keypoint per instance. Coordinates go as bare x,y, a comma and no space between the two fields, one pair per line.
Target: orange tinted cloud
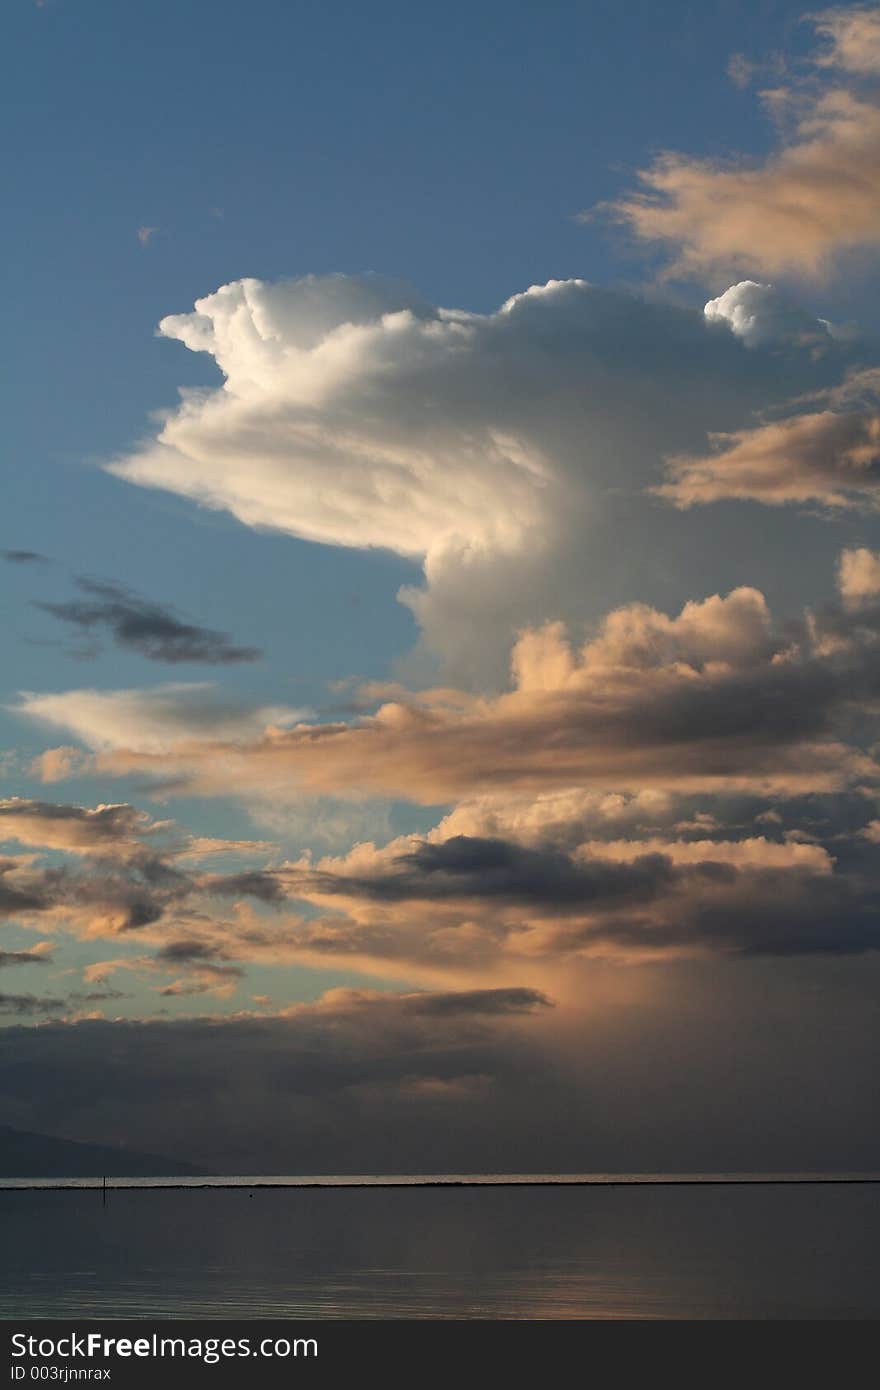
854,38
816,196
712,698
859,576
830,458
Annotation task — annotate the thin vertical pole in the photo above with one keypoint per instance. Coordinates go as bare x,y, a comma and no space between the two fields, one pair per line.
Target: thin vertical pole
104,1192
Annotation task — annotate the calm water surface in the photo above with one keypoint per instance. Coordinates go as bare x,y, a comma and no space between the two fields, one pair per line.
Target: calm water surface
630,1251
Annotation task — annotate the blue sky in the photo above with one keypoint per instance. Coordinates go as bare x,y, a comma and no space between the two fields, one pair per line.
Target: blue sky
689,493
452,150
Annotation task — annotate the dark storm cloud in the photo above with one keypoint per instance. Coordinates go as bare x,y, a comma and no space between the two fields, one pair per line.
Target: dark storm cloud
717,909
827,916
768,1070
469,867
764,913
152,629
756,895
323,1051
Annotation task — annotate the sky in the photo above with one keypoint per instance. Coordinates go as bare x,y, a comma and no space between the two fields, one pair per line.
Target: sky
441,584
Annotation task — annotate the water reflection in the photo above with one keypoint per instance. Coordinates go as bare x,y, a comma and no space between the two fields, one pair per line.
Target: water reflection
720,1252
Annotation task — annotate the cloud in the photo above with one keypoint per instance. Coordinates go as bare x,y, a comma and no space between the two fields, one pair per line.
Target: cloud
742,70
122,872
446,908
859,576
853,32
754,852
183,951
826,457
816,196
24,557
151,629
378,1083
665,821
611,805
57,764
465,869
156,719
197,968
714,698
23,1005
509,888
480,906
351,1061
38,954
20,893
565,818
74,828
252,883
468,868
716,911
264,447
112,871
492,449
763,316
117,897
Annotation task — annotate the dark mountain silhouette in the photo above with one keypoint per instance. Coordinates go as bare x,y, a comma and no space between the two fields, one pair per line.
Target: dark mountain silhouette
25,1155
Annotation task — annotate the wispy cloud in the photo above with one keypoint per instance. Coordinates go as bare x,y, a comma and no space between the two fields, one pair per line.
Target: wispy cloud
24,557
157,719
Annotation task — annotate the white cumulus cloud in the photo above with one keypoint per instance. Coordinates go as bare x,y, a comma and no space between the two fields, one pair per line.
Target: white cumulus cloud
494,449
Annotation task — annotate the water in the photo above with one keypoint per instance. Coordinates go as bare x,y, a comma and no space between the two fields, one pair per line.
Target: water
439,1180
611,1249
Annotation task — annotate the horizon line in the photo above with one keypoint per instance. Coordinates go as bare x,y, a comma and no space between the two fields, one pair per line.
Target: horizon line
157,1182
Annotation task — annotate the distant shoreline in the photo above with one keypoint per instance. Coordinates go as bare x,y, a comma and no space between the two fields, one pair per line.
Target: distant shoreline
158,1183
